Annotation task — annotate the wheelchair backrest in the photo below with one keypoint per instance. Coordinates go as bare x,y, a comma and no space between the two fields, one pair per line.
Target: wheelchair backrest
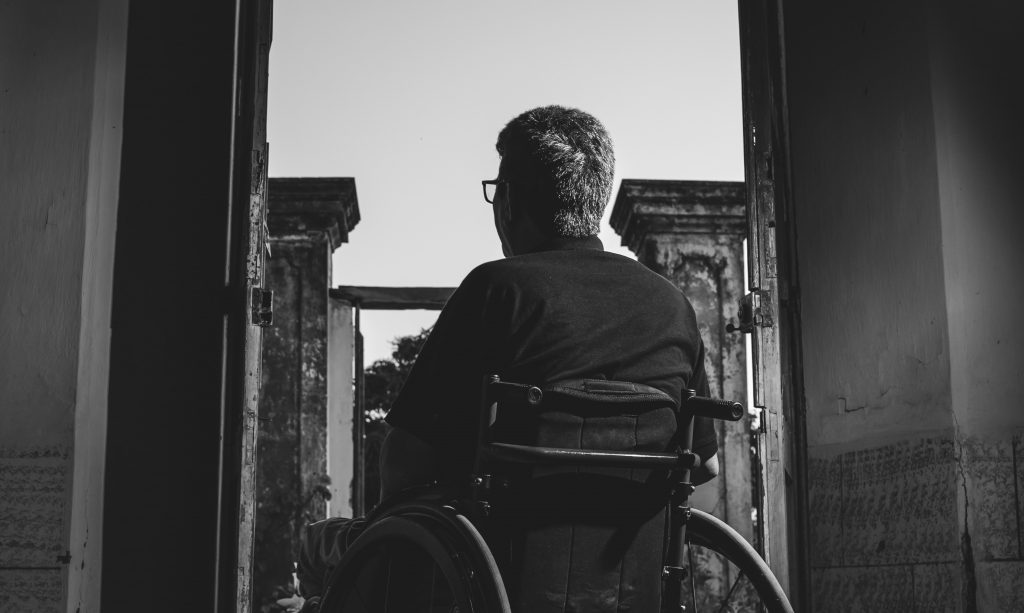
584,539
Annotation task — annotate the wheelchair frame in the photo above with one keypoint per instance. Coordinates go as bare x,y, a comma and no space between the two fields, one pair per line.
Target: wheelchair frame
447,534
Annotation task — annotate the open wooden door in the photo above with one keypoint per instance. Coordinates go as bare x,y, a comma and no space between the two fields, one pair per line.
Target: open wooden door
770,311
248,247
184,334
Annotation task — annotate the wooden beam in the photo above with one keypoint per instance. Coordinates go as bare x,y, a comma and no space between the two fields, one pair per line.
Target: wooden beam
393,298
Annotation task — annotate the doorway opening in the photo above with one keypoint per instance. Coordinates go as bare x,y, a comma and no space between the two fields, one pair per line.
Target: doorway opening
408,98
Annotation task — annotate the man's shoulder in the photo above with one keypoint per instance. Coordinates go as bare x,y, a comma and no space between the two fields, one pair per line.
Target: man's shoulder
506,272
566,262
563,269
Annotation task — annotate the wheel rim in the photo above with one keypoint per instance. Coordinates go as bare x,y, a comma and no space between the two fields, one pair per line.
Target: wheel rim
418,558
726,574
716,585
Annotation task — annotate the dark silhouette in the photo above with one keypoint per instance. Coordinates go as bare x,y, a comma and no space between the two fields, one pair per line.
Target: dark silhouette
383,380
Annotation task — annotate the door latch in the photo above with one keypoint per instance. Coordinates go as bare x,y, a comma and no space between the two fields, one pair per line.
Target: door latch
262,307
755,311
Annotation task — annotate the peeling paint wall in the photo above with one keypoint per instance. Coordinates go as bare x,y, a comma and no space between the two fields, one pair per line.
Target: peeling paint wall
62,76
905,169
709,271
292,452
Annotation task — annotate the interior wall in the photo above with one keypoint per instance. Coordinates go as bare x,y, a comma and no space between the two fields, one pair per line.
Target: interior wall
979,130
905,155
882,461
876,358
59,69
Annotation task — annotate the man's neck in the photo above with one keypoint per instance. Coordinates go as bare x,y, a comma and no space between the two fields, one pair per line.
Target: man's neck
558,243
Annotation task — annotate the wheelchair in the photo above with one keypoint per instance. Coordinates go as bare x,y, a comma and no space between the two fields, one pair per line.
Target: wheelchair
451,550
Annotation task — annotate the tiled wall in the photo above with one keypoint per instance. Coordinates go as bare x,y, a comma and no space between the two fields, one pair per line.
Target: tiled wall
887,526
33,489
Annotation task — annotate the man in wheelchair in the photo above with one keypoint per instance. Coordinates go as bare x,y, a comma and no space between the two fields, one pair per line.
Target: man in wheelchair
557,308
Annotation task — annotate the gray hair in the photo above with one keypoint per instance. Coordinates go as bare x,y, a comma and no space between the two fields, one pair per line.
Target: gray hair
569,153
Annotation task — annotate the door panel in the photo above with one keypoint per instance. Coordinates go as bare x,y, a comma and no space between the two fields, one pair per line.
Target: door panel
773,305
246,280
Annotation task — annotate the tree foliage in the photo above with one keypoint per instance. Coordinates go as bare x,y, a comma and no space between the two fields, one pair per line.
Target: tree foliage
383,380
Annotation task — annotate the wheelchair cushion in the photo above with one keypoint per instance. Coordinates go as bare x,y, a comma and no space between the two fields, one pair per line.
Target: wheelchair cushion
587,539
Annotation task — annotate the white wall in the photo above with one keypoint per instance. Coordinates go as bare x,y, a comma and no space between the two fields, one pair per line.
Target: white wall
876,352
905,133
978,133
61,66
341,355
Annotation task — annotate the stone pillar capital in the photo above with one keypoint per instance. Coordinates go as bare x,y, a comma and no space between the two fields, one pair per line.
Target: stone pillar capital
645,208
301,208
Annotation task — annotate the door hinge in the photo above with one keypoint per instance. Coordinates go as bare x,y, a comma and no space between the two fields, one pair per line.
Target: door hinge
262,307
755,311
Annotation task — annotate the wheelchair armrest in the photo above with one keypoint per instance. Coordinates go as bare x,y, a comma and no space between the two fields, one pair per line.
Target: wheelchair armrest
525,454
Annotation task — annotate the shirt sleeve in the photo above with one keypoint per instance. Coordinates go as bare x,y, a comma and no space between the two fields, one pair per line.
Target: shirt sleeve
439,401
705,439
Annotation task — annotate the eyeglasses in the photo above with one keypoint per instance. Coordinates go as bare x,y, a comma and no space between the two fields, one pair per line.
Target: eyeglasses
491,188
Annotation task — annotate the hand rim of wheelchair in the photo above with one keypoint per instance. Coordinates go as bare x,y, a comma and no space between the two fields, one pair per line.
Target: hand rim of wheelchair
472,573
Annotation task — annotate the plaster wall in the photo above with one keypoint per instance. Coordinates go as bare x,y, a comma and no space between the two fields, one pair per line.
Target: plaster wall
876,356
62,70
978,134
904,154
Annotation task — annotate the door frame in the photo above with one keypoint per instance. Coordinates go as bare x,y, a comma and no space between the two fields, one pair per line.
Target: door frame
775,297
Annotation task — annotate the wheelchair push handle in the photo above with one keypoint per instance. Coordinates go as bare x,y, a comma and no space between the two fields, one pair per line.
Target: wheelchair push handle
713,408
516,393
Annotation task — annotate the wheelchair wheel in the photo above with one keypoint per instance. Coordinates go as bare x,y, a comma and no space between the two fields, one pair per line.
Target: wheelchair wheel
417,558
726,573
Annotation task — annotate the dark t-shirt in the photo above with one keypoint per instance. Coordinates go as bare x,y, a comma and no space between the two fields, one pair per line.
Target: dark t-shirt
572,311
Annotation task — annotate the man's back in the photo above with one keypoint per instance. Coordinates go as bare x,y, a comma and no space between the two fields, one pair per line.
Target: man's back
580,312
569,311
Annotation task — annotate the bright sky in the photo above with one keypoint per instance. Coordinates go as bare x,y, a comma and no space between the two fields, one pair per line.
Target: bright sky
408,97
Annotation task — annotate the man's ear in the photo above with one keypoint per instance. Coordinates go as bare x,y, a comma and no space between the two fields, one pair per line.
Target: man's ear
506,206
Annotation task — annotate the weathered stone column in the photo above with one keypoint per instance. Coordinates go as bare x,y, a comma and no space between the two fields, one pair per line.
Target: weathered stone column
308,218
692,232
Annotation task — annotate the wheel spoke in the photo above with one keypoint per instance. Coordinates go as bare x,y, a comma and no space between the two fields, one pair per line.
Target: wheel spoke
732,589
691,570
726,560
